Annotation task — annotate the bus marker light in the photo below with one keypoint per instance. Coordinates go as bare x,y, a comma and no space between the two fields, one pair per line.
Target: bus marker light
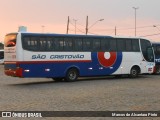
90,68
111,67
47,70
101,68
26,70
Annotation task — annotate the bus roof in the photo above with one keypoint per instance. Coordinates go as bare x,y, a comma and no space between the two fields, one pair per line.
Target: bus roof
69,35
74,35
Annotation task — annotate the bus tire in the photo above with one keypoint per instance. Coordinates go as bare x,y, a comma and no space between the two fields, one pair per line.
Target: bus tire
71,75
134,72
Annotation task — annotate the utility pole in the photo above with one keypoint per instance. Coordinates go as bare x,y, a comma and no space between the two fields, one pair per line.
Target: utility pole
135,8
87,25
91,25
115,30
68,25
75,25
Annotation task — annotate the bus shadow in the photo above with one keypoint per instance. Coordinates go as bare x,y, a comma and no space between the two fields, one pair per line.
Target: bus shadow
34,83
112,78
82,79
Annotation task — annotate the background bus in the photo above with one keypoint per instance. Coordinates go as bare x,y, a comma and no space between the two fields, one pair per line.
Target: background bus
156,47
61,56
1,56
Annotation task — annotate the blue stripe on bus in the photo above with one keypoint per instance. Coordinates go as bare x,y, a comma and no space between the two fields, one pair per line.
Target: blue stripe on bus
59,69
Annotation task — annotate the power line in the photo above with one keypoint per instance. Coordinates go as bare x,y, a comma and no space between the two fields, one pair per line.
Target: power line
120,29
150,35
77,28
149,26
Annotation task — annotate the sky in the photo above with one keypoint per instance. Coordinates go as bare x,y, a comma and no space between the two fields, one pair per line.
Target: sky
50,16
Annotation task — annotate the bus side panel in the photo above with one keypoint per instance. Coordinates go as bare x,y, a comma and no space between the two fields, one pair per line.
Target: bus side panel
41,70
52,69
95,67
107,63
129,60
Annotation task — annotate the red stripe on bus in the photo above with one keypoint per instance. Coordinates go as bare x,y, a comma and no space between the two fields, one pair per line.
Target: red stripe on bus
37,62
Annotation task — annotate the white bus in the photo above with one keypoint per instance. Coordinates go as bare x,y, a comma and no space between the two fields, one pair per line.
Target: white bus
1,56
156,46
67,57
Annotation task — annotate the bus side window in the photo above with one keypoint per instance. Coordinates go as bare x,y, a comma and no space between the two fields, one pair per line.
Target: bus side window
34,43
55,44
96,44
113,45
30,43
78,44
61,44
128,45
105,44
87,44
58,44
135,45
121,45
49,44
26,43
42,46
68,44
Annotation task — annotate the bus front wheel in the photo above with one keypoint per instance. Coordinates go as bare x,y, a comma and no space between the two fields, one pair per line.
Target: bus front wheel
134,72
72,75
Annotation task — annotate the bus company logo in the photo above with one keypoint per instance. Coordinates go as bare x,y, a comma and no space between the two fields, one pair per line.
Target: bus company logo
107,59
110,60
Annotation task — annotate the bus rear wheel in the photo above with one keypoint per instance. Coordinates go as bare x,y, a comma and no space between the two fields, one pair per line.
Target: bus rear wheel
72,75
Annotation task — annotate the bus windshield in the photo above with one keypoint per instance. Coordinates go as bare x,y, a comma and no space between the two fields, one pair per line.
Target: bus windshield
147,50
1,54
10,40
